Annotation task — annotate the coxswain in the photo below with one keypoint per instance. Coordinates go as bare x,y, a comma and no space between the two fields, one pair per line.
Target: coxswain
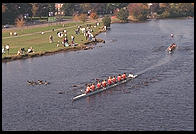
104,83
131,75
172,35
109,81
92,87
114,79
124,76
119,78
87,89
98,85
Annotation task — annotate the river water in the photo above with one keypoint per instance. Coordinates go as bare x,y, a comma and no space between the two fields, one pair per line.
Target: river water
160,98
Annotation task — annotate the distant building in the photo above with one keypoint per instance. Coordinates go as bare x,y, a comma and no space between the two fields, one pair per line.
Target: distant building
58,7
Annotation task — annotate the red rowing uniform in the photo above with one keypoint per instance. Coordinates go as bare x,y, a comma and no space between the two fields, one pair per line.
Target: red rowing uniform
124,76
114,80
104,83
87,90
93,87
119,78
98,85
109,81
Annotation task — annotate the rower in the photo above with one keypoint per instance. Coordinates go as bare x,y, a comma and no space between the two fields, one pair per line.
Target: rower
104,83
87,89
124,76
119,78
114,79
98,85
109,81
92,88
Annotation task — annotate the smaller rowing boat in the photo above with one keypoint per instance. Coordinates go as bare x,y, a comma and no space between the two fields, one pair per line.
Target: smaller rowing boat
171,47
130,77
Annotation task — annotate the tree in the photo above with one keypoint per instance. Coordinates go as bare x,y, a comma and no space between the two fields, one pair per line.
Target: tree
85,7
4,8
68,9
93,16
138,11
83,17
20,21
106,21
123,14
34,9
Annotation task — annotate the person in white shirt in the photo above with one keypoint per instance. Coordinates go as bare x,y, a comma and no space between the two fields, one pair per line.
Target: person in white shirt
7,47
3,50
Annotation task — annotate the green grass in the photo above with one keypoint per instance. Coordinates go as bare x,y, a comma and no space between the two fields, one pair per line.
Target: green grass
27,30
40,43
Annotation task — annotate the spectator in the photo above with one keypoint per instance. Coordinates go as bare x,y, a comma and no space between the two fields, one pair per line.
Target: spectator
22,50
7,47
72,39
3,50
30,50
18,53
51,39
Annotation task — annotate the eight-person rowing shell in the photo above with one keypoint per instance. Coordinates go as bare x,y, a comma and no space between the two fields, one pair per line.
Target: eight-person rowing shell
105,85
110,81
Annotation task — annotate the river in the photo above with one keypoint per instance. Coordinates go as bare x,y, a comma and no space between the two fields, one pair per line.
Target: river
160,98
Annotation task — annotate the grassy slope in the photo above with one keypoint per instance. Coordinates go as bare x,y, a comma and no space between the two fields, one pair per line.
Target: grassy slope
40,43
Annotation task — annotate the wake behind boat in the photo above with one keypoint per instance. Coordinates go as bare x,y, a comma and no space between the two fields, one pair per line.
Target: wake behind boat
130,77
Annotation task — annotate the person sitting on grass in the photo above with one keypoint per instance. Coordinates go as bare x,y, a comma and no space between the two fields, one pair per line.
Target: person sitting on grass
30,50
22,50
18,53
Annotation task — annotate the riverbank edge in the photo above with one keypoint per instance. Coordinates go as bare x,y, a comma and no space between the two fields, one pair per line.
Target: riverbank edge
81,46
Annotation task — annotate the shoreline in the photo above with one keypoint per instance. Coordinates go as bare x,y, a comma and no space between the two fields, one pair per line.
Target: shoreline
81,46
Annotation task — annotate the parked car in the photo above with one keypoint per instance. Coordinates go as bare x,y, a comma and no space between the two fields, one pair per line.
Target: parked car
6,26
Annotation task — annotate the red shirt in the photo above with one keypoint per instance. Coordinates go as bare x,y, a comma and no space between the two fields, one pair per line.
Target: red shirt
104,84
114,80
93,87
87,90
119,78
109,82
124,76
98,85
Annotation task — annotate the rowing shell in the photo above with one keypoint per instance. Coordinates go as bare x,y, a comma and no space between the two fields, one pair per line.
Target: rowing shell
103,89
171,49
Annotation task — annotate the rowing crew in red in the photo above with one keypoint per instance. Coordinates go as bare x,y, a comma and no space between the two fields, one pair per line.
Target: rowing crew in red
104,83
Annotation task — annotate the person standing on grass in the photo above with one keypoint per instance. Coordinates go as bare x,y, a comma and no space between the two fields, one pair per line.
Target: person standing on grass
7,47
3,50
51,39
72,39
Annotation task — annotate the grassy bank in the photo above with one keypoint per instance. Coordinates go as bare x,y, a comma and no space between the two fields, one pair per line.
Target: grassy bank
40,43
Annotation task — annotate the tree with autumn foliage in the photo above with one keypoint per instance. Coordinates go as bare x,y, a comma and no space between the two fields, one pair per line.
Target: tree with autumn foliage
83,17
93,16
138,11
20,21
